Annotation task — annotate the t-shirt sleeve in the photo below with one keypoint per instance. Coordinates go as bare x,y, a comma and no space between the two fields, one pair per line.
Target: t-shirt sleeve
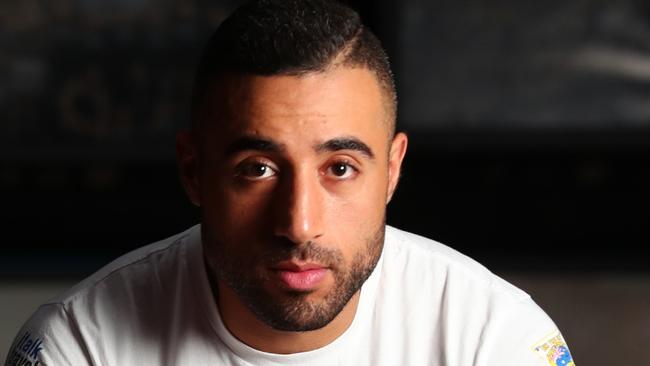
524,335
49,337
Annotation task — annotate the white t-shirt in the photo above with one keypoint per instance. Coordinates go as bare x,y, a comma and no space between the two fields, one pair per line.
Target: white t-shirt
424,304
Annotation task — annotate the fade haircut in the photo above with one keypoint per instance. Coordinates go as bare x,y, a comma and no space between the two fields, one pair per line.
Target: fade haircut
291,37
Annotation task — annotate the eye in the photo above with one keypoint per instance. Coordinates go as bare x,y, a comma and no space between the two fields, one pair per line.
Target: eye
255,170
342,170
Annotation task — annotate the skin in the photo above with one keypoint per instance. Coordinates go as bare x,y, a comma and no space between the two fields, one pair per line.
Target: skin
302,196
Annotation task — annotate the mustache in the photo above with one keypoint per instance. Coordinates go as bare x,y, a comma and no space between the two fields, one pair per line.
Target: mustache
310,251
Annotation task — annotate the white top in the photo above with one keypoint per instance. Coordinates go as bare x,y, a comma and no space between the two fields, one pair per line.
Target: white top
424,304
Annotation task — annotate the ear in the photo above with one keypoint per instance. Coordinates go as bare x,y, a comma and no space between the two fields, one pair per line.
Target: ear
188,165
395,158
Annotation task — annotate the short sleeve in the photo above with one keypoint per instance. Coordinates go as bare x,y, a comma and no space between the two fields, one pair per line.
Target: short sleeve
524,336
49,337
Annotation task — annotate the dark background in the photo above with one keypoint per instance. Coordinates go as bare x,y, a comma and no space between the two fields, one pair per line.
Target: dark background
529,125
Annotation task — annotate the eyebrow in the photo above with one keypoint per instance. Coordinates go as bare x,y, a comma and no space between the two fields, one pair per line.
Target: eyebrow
346,143
247,143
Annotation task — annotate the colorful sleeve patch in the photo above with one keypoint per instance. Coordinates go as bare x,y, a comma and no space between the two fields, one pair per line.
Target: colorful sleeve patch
554,350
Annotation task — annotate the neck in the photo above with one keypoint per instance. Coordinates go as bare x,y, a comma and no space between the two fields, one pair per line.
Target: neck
245,326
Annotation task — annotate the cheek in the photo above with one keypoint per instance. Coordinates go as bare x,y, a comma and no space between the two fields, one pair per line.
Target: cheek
232,210
231,220
357,216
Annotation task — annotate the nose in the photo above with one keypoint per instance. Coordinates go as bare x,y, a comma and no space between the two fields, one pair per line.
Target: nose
300,208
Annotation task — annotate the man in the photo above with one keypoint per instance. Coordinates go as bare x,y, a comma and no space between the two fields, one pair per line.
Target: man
292,158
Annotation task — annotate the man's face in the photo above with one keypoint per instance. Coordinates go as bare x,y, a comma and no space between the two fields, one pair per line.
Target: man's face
293,176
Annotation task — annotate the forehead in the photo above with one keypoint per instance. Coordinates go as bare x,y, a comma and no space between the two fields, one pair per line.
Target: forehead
320,105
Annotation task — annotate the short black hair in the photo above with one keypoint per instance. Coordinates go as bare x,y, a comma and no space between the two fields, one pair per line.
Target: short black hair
291,37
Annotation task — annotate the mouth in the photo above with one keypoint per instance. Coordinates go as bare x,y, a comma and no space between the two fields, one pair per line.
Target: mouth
301,277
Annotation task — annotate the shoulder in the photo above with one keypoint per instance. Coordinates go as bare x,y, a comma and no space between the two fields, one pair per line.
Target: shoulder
136,265
116,305
479,315
440,262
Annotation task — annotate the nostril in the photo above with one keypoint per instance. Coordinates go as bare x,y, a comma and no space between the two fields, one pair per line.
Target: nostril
283,243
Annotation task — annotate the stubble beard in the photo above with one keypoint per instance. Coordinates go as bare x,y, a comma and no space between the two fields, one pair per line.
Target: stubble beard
294,312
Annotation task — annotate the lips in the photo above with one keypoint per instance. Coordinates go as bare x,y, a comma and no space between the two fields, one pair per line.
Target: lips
300,276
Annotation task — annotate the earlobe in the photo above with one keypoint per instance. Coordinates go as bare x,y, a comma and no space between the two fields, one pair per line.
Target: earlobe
395,158
188,158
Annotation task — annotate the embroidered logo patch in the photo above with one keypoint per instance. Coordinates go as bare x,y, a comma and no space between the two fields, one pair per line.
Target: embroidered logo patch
554,350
